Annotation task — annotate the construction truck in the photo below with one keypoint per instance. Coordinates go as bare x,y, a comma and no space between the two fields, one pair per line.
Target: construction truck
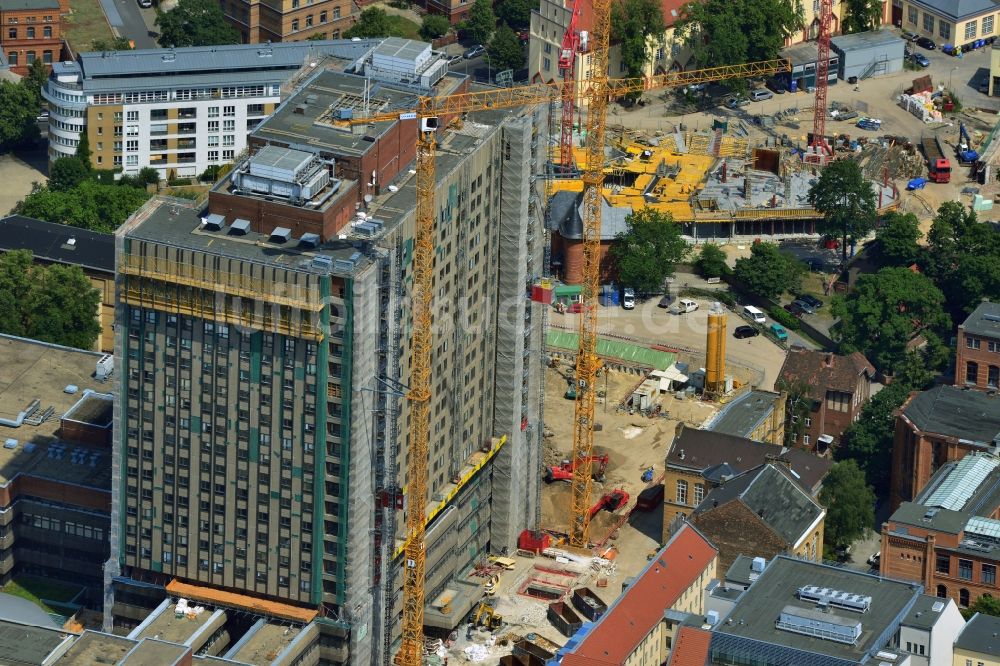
938,165
564,470
964,150
612,501
486,616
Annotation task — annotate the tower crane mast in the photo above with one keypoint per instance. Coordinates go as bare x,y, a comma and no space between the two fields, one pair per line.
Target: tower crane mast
819,145
428,113
567,66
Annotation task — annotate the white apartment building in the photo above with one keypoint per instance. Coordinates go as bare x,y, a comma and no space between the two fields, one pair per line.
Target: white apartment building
176,110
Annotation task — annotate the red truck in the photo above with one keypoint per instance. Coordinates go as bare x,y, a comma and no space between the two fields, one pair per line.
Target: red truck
938,165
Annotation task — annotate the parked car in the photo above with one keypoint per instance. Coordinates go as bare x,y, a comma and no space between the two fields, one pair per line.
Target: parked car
910,36
454,58
805,307
685,305
875,559
742,332
920,59
926,43
794,309
761,94
737,101
628,298
145,4
43,115
777,86
778,331
474,52
696,87
984,85
665,301
810,300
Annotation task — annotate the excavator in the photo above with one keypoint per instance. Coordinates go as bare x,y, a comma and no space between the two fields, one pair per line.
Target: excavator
612,501
564,470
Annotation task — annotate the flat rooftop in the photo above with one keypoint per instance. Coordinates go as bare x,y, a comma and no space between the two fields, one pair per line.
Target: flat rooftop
27,644
266,643
32,371
151,652
753,618
95,647
742,416
308,118
180,225
168,627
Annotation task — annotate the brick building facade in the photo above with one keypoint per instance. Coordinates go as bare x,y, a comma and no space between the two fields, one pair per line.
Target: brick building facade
836,389
264,21
935,427
977,357
31,30
948,537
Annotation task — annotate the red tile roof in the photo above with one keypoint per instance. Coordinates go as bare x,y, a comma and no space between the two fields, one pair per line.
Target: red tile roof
690,647
671,12
820,371
641,606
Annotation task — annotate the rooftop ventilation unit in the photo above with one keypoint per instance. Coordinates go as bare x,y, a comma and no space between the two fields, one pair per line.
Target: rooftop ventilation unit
991,317
309,240
240,226
281,235
322,262
344,114
827,596
819,624
105,366
347,265
215,222
757,565
368,229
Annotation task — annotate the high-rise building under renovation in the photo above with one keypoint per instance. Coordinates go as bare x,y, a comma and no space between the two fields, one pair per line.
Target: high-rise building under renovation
264,345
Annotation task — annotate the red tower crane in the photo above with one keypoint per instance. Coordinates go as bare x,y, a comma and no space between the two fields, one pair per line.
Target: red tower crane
820,148
567,66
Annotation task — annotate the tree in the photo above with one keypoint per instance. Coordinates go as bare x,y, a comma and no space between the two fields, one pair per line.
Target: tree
481,23
846,200
63,307
862,15
372,22
633,24
898,239
505,50
646,252
963,258
19,106
316,37
115,44
711,261
885,311
986,604
37,75
66,173
768,272
83,151
868,441
849,502
15,285
195,23
516,13
798,406
732,32
434,26
90,205
53,304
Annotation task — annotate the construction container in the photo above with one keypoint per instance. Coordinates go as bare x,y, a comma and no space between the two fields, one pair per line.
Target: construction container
650,498
609,295
525,648
588,603
521,660
564,618
533,542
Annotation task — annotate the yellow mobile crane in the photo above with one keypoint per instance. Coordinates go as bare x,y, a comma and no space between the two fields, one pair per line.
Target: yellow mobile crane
428,113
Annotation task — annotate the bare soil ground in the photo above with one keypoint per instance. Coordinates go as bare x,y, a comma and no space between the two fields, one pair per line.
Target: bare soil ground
17,172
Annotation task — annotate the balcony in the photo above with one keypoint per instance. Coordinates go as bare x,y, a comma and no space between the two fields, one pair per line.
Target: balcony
186,128
159,144
187,114
187,144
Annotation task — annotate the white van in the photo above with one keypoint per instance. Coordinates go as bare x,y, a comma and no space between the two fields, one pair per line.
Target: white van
684,305
628,298
761,94
755,314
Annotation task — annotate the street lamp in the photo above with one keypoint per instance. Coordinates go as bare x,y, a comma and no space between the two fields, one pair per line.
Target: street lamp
489,69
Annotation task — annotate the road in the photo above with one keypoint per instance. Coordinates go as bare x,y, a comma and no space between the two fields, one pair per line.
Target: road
131,21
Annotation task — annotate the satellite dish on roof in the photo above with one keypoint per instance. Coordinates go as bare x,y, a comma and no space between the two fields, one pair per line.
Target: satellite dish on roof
368,198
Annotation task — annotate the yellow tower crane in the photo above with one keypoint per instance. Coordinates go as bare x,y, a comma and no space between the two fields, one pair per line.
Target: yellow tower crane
428,113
